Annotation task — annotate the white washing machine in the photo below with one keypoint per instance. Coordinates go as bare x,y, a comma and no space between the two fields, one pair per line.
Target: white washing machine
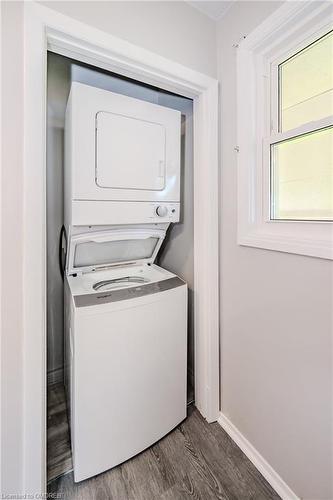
125,346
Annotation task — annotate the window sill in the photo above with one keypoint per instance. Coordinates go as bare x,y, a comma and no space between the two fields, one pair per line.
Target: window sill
302,238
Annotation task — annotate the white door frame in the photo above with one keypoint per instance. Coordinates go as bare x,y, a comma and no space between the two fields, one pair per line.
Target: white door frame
44,28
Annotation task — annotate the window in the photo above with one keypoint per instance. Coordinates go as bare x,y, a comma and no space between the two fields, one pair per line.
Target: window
306,85
301,162
302,177
285,131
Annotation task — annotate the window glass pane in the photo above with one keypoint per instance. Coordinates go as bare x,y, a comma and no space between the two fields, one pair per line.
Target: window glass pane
306,85
302,177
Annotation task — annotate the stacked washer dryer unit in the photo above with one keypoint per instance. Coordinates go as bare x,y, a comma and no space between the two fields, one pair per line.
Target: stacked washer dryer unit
125,317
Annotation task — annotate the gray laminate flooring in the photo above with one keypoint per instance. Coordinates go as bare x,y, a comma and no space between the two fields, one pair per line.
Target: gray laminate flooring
196,461
59,457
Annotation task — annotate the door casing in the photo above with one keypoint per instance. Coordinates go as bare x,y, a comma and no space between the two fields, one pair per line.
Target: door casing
45,29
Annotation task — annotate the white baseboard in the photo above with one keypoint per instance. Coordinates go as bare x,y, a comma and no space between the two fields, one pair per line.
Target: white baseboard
271,476
55,376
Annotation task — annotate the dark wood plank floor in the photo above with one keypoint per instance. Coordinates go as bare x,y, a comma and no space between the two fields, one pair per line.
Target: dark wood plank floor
59,457
196,461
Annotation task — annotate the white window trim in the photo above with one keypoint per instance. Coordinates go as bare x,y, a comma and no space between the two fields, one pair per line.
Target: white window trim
291,26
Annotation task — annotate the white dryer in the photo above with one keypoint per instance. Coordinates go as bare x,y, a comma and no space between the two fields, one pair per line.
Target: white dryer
122,159
125,346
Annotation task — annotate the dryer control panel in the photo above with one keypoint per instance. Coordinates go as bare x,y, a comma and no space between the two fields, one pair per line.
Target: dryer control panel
94,213
166,211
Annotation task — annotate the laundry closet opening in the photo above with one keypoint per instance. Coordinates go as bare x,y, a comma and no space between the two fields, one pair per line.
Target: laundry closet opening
173,253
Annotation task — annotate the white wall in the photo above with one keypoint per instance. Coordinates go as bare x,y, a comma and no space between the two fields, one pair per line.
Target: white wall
172,29
276,326
11,246
177,254
58,86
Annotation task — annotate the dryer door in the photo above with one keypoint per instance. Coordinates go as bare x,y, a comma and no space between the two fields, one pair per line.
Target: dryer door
130,153
121,149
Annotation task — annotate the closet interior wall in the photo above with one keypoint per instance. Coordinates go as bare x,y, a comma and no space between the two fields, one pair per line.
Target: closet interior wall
177,252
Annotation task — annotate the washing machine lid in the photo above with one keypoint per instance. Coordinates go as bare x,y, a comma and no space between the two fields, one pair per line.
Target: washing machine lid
117,247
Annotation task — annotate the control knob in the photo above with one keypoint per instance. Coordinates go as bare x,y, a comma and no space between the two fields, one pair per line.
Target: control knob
162,211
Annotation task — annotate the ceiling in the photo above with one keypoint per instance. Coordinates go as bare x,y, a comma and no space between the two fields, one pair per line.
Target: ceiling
213,9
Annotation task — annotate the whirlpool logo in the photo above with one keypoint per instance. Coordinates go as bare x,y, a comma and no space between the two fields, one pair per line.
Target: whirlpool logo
104,296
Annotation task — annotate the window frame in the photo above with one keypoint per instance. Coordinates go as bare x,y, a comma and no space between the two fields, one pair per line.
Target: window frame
274,134
287,31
